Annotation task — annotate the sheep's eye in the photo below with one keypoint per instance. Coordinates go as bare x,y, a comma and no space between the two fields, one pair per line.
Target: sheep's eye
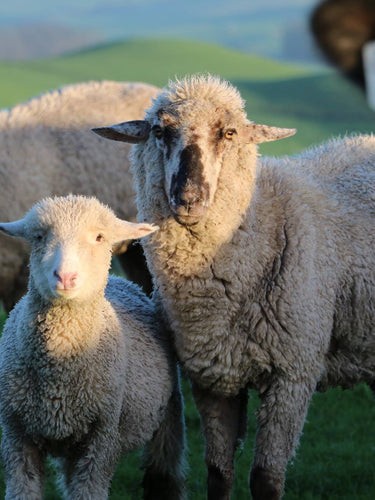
99,238
158,132
229,133
39,237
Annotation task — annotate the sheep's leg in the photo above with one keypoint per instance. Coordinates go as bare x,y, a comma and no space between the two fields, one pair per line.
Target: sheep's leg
23,466
88,473
280,422
164,459
224,425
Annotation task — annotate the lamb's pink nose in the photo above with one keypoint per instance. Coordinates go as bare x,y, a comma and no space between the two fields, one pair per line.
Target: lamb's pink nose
66,279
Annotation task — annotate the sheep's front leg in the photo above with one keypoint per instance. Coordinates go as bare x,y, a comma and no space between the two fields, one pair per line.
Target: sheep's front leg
89,469
23,466
224,425
280,422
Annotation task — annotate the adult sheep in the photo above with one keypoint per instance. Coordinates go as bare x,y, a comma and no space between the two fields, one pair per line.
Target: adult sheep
265,269
46,148
86,368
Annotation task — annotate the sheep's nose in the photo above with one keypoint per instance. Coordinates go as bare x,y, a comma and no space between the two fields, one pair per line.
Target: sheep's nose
188,197
66,279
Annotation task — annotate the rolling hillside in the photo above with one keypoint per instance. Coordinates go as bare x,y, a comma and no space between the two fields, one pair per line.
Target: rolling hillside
317,104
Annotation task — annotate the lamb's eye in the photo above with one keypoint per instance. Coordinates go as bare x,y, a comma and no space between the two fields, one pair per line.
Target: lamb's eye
158,132
229,133
99,238
39,237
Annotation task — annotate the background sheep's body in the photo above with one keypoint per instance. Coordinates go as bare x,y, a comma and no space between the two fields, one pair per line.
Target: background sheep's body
85,378
46,148
265,270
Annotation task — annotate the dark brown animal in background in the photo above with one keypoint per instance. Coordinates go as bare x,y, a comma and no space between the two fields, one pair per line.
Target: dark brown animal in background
341,28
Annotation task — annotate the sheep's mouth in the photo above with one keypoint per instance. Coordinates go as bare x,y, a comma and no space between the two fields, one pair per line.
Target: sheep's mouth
65,293
186,220
188,215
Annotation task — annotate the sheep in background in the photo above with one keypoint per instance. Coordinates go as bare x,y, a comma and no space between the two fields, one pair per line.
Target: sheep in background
265,269
46,148
86,371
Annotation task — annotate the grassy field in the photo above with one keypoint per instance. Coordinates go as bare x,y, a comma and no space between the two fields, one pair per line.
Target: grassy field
318,103
336,455
153,61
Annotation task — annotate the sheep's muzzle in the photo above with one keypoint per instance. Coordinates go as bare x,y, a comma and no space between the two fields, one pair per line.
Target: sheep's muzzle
189,193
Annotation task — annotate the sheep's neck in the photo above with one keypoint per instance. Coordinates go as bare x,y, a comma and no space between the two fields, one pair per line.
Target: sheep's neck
68,328
179,252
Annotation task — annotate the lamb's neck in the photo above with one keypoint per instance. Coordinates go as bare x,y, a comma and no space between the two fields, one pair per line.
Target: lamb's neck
67,328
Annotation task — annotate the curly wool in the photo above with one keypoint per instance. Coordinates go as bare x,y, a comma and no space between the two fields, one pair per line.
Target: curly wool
264,268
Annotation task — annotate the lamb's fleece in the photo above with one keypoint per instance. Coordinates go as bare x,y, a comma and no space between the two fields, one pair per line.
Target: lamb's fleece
265,269
86,368
46,148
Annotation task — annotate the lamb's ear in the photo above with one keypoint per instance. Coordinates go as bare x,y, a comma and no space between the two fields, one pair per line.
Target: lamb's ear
254,132
134,131
16,228
132,230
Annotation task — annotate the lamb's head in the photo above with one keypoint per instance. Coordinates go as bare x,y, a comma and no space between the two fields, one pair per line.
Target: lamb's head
71,240
193,128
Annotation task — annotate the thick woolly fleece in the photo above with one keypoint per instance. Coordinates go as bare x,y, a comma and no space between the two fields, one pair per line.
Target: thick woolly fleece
85,379
274,288
46,148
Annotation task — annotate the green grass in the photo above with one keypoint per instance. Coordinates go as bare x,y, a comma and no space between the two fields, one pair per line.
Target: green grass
336,455
153,61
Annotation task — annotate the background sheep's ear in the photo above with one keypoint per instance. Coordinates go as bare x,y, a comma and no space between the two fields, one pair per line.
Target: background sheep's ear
263,133
134,131
132,230
16,228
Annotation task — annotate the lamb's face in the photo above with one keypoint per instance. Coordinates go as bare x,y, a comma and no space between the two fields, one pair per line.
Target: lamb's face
190,134
71,240
69,259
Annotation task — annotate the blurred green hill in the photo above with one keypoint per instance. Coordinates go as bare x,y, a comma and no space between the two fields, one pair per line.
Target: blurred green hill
319,103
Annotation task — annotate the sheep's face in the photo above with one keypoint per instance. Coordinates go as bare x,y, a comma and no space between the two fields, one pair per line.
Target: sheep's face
193,139
71,240
193,131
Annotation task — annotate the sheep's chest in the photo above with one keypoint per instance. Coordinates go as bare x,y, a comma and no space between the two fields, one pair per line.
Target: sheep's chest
213,335
55,401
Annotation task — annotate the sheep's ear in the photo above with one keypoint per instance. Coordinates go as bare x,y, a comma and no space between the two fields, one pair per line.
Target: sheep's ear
134,131
263,133
131,230
16,228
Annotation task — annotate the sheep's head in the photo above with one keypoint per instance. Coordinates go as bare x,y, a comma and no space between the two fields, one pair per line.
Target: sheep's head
71,240
194,128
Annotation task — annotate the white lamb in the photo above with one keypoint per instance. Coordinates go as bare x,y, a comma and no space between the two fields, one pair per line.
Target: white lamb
265,269
47,149
86,369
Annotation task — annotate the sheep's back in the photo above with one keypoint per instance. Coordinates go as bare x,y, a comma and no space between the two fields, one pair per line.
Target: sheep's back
90,103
